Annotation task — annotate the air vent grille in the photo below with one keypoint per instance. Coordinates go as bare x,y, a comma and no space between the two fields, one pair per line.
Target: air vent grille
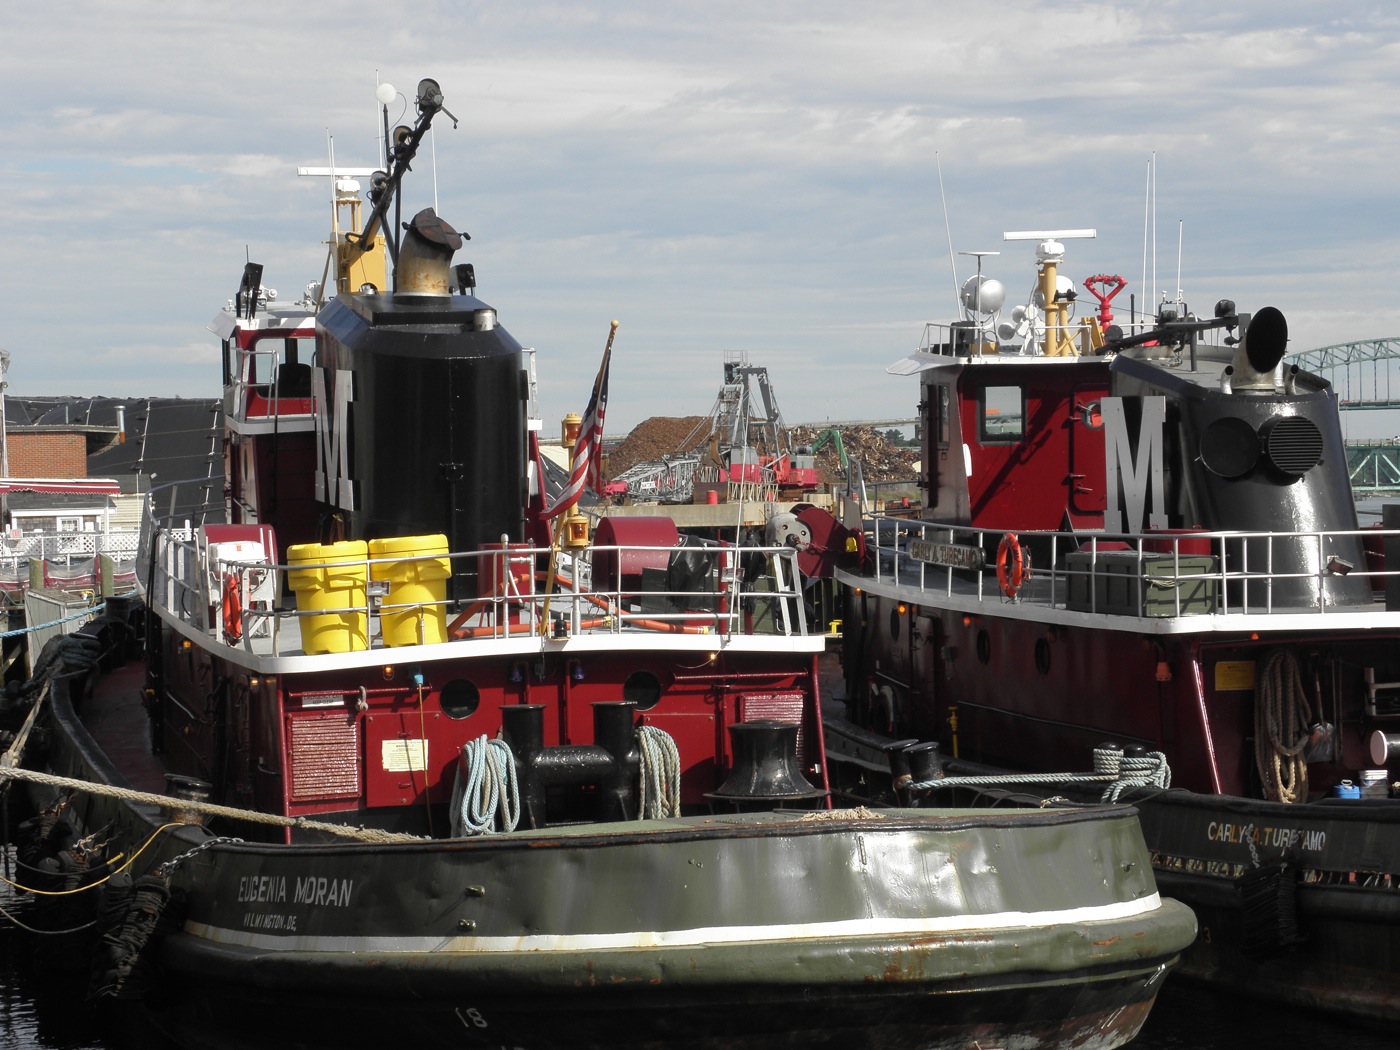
1294,445
323,757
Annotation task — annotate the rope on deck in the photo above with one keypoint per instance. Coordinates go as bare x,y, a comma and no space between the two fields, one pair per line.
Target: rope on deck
1112,768
486,792
660,794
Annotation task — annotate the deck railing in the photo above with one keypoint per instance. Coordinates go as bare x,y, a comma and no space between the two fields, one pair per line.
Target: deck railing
497,593
979,339
1167,573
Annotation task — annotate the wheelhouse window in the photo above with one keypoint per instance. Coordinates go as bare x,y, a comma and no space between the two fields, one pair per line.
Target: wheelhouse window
1001,416
944,419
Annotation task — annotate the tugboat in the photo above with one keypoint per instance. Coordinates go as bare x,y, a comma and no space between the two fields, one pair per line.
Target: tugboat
411,758
1139,542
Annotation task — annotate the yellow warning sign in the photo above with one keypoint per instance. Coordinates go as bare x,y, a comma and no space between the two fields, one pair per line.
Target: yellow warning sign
1234,674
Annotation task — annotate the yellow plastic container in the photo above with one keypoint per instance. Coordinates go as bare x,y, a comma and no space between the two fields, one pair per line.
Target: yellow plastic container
331,587
413,612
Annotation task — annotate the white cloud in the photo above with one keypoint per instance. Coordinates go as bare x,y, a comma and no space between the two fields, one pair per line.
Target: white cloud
726,176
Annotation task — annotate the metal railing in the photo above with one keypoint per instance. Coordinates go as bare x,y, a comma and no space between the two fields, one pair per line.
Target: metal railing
962,338
1167,573
508,594
497,593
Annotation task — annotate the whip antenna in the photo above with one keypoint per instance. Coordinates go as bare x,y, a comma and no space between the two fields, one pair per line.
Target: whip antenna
952,262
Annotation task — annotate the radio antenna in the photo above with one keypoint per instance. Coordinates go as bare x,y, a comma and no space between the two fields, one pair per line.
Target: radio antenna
1155,292
1180,240
1146,226
952,260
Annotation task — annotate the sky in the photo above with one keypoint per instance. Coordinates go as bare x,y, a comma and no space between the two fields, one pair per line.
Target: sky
778,180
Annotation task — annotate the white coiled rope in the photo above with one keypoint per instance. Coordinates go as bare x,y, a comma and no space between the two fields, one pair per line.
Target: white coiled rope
486,794
660,774
1114,770
1131,771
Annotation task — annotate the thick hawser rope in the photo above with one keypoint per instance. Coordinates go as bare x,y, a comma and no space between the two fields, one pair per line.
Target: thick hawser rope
1282,716
210,809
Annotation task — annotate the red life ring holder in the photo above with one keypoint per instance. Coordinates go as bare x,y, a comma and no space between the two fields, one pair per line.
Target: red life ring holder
232,610
1013,565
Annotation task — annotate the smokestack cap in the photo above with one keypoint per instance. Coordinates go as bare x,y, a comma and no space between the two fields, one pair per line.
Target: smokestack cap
435,229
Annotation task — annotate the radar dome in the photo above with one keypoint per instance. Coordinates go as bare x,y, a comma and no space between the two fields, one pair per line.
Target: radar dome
983,295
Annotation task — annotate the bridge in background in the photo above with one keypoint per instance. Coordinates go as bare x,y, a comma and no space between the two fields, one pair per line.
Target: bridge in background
1366,377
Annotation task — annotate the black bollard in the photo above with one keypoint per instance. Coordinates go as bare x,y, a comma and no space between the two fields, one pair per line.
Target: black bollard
765,769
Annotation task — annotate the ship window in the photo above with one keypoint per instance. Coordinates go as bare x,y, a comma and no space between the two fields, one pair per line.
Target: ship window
984,647
459,698
643,689
944,420
1042,656
1002,414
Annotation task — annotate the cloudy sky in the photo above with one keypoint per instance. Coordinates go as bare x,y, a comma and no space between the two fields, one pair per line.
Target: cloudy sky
720,177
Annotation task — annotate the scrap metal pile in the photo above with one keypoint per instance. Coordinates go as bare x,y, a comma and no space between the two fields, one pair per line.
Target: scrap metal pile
663,436
881,458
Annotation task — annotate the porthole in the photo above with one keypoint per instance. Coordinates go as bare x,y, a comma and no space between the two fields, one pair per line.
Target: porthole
984,647
1230,447
1042,656
894,625
459,698
643,689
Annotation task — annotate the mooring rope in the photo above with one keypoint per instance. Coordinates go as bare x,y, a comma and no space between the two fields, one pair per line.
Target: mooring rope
63,650
660,792
90,611
1282,717
126,864
1136,771
1116,771
486,793
208,809
14,920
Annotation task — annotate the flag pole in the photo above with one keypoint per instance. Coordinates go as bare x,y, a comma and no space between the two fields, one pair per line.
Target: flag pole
560,521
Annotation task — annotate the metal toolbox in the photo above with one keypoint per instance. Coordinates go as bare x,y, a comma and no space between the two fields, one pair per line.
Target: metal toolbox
1126,583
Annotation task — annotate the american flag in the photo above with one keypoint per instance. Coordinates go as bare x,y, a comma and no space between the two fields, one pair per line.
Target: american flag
587,462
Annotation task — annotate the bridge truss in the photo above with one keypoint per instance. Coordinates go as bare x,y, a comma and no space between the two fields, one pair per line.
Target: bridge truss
1365,374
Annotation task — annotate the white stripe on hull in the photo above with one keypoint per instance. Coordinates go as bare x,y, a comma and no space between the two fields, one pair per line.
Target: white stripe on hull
701,936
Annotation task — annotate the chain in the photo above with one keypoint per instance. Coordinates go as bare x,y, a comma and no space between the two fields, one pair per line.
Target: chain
168,868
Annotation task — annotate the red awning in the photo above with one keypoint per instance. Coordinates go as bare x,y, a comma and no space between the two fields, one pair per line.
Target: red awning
94,486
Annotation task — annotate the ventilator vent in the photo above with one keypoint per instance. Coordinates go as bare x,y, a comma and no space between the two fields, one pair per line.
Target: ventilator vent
1294,445
323,755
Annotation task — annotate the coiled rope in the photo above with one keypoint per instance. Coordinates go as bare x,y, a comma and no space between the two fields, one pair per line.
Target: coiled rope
660,792
1149,769
1116,771
486,793
1282,717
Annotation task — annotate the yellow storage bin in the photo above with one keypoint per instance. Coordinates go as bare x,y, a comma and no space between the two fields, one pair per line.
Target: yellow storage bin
413,611
330,587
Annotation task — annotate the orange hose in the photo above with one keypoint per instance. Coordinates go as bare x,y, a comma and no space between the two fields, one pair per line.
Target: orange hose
486,631
458,631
